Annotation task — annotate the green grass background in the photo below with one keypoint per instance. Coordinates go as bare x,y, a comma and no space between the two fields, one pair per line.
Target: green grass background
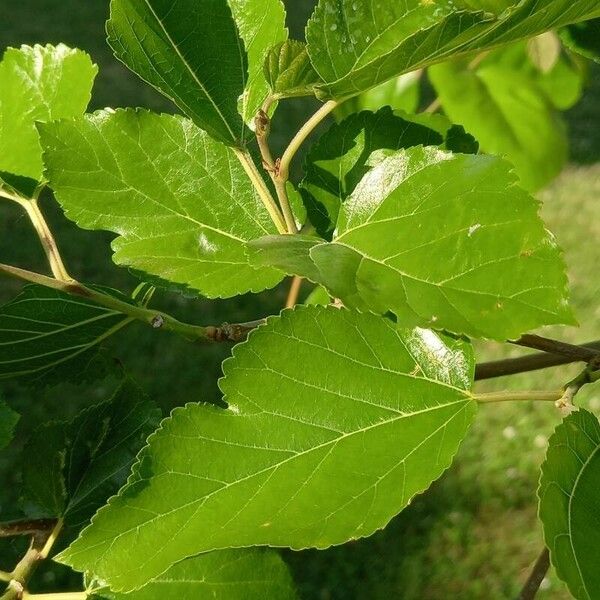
474,534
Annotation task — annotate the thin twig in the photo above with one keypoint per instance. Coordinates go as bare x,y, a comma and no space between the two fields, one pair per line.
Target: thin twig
525,364
153,318
578,353
41,545
292,298
47,239
26,527
302,135
525,396
262,126
262,189
538,573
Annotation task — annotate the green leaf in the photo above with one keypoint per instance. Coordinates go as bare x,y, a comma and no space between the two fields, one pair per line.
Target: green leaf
189,51
255,574
8,421
180,202
584,38
289,71
42,83
342,156
402,93
378,410
71,469
355,45
261,25
205,56
569,508
48,336
523,126
441,240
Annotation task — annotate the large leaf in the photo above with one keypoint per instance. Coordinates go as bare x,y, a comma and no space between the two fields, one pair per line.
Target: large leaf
342,156
509,113
181,203
223,575
70,469
443,241
357,44
192,52
8,421
261,24
336,420
569,507
42,83
46,335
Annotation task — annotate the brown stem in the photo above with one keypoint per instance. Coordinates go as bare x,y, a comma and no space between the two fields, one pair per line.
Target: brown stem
532,585
27,527
577,353
524,364
41,544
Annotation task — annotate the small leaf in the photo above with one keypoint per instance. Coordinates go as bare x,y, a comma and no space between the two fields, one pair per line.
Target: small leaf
342,156
401,93
289,71
71,469
224,575
49,336
261,25
569,508
355,45
8,421
584,38
377,415
441,240
40,83
522,126
180,202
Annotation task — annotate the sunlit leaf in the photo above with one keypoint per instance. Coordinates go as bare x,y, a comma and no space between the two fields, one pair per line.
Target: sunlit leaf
355,45
377,414
220,575
39,83
441,240
180,202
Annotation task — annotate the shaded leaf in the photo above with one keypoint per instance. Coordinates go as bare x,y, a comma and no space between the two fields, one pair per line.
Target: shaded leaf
180,202
569,508
377,410
289,71
584,38
48,336
39,83
355,45
441,240
71,469
205,56
346,152
8,421
222,575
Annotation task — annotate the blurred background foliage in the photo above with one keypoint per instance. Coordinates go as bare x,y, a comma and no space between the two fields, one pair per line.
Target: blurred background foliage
474,534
